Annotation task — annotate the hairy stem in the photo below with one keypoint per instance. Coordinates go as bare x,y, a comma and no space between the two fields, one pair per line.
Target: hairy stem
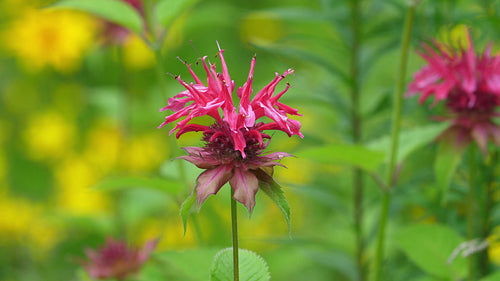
488,205
471,210
396,124
234,226
356,134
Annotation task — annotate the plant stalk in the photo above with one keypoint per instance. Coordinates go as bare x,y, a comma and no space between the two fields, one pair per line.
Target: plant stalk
488,205
396,124
234,226
471,210
356,135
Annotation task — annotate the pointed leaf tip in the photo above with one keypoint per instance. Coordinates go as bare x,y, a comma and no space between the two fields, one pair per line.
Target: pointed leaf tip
272,189
186,208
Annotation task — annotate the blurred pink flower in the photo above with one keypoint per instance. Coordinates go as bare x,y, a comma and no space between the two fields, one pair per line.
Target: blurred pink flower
235,142
470,85
116,34
116,260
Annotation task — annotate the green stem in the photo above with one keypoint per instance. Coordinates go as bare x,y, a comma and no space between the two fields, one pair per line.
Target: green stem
396,124
234,226
488,205
471,210
356,134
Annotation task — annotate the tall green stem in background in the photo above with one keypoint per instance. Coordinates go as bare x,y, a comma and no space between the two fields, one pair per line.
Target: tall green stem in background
396,124
471,209
356,134
234,226
487,206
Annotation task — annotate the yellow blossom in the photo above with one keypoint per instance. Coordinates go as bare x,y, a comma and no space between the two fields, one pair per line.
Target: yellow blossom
74,179
17,218
170,231
137,55
104,144
144,153
56,38
48,136
261,28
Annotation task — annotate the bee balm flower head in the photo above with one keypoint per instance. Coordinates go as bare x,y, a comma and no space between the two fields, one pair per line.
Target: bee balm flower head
116,259
469,83
235,143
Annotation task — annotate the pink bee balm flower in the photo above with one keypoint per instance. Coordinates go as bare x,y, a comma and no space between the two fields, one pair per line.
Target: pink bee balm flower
470,85
235,142
116,260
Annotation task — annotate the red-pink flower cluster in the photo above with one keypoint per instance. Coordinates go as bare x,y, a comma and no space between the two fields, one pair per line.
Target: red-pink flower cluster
235,142
116,260
470,85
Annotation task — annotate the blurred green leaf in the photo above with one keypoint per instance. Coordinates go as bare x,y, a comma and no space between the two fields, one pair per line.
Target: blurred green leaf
409,140
252,267
119,183
429,246
191,265
272,189
355,155
115,11
186,208
168,10
306,56
492,277
447,160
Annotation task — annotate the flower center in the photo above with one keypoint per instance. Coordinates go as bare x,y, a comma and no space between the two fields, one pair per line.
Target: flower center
218,141
485,103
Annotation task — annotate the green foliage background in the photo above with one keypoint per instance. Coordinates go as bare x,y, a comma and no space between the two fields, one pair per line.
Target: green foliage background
81,157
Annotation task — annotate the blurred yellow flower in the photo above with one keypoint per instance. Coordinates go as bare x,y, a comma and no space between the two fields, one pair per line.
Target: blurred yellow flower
74,179
137,55
261,28
456,36
297,172
17,216
494,246
144,153
104,144
23,221
171,232
56,38
48,136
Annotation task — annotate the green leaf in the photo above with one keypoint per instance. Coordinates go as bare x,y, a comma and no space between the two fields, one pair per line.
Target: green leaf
187,208
409,140
168,10
355,155
430,246
119,183
492,277
304,55
189,265
447,160
115,11
252,267
272,189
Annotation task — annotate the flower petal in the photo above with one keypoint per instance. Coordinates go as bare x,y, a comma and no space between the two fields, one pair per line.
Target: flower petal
210,181
245,185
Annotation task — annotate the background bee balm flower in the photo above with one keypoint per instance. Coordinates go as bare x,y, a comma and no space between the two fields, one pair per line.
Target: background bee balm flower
470,85
234,144
116,260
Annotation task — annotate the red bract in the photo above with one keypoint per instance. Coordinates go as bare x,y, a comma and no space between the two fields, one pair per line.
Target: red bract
116,260
235,142
470,85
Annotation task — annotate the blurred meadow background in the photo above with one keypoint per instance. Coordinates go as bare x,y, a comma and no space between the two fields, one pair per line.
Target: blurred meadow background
81,158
